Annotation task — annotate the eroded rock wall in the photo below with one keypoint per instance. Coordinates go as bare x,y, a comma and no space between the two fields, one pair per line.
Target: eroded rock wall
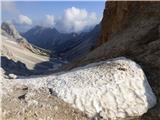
118,15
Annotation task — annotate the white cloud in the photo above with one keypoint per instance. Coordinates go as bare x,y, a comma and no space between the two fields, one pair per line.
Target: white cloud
73,20
25,20
50,21
76,20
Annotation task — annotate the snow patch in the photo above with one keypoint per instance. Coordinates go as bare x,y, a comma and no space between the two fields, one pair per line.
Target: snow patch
113,89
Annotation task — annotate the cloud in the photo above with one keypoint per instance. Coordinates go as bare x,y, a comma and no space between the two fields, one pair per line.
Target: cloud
11,9
50,21
73,20
25,20
77,20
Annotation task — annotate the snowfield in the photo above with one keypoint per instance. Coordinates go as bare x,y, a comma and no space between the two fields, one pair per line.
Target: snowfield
114,89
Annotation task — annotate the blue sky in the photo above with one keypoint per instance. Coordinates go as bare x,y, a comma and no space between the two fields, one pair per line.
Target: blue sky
52,13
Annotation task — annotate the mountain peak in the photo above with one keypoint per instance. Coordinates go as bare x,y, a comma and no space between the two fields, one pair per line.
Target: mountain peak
39,29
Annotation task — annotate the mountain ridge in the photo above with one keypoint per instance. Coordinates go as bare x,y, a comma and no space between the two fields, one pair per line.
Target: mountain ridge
62,43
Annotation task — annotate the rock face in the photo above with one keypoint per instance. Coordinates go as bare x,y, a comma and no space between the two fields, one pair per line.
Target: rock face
110,89
118,15
131,29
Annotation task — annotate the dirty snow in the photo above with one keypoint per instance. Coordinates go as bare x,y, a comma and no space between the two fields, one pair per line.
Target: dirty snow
114,89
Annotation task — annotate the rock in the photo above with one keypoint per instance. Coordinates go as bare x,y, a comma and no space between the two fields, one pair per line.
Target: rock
55,108
118,15
12,76
110,89
35,105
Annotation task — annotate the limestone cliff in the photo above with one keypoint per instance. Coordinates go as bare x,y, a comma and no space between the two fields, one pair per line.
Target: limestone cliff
118,15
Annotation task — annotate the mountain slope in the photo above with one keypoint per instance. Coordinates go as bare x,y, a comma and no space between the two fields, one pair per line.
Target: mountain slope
16,50
82,45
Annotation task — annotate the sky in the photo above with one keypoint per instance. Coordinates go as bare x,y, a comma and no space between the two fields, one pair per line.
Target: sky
66,16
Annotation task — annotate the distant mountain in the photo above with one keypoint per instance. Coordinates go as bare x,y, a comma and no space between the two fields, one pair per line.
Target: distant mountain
47,38
67,45
83,44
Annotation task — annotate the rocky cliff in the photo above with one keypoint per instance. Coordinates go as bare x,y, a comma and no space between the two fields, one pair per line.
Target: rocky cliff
132,29
118,15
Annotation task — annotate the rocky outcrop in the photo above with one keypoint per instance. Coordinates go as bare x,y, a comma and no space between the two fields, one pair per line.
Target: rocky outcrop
112,89
118,15
132,29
